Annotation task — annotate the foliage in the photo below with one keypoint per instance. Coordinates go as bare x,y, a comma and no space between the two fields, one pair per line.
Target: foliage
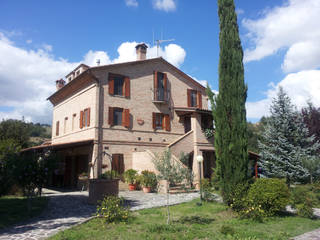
229,112
112,209
170,171
311,118
300,193
215,183
227,230
148,179
184,158
8,153
270,195
239,197
285,142
111,174
312,164
208,132
255,131
130,176
305,209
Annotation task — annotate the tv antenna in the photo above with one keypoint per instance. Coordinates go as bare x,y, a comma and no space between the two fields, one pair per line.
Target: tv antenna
161,41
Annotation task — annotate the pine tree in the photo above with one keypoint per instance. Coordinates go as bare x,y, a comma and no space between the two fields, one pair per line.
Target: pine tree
286,142
231,138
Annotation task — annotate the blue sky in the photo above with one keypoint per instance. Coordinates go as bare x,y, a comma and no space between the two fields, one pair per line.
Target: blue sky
41,41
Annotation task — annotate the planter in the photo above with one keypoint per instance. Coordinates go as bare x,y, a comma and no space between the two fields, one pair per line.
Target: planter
99,188
132,187
146,189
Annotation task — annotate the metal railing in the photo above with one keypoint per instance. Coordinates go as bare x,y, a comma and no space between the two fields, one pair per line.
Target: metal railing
161,95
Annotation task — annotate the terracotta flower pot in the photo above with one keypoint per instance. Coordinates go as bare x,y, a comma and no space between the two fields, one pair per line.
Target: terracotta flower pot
132,187
146,189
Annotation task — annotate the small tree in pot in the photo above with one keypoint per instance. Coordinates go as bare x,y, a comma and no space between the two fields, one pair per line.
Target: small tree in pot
130,177
148,181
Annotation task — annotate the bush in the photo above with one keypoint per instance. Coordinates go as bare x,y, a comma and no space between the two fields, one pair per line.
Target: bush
110,175
130,176
215,180
269,195
238,197
148,179
305,209
112,209
299,194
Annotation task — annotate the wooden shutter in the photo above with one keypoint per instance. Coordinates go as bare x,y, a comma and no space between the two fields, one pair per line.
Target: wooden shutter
163,121
189,97
155,85
111,85
167,122
199,99
110,117
165,86
154,120
115,162
57,128
121,164
81,119
127,87
126,118
88,117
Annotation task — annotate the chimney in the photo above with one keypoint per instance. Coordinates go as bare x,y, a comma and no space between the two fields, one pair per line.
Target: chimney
141,50
60,84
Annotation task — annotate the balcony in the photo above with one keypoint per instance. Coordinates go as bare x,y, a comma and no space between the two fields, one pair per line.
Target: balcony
160,95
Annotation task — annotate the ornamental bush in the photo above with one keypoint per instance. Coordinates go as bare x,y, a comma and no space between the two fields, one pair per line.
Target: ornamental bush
269,195
112,209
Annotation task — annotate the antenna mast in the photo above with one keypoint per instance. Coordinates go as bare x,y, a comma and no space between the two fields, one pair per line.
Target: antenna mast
161,41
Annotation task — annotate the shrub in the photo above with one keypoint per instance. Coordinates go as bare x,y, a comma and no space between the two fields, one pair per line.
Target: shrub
215,180
130,176
238,197
148,179
112,209
305,209
110,175
268,195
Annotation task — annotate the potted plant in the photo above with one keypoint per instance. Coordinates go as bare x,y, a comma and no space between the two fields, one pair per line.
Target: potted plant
148,181
83,181
130,177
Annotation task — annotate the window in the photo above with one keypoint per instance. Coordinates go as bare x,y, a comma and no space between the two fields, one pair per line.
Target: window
57,128
65,125
73,121
161,121
119,85
119,116
85,118
160,86
194,98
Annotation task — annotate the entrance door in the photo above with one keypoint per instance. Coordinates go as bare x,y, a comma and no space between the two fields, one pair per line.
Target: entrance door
187,124
118,163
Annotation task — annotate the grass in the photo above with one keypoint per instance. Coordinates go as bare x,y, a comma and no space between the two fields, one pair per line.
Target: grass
13,209
191,222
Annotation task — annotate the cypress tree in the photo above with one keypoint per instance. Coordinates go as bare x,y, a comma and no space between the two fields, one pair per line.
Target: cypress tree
231,138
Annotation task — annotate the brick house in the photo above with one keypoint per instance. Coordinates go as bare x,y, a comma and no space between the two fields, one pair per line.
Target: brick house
126,112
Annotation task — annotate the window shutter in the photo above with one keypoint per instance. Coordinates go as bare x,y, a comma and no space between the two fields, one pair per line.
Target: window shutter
154,120
88,117
167,122
189,97
57,128
111,85
81,119
199,100
127,87
126,118
121,164
165,85
110,118
155,84
163,121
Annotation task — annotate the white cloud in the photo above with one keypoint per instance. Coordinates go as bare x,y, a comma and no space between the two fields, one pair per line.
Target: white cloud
293,26
29,41
300,87
132,3
27,77
164,5
239,11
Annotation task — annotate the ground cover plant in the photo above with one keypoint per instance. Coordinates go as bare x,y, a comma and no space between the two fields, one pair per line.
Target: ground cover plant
189,221
13,209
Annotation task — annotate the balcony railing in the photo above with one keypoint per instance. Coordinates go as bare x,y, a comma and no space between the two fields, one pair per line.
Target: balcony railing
161,95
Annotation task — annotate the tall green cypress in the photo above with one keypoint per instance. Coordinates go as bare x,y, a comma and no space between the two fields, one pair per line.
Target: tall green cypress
231,138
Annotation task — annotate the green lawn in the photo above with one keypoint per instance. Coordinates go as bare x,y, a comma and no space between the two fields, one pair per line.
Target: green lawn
14,209
190,222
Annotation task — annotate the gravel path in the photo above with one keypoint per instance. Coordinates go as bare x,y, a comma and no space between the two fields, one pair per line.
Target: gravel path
67,209
313,235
